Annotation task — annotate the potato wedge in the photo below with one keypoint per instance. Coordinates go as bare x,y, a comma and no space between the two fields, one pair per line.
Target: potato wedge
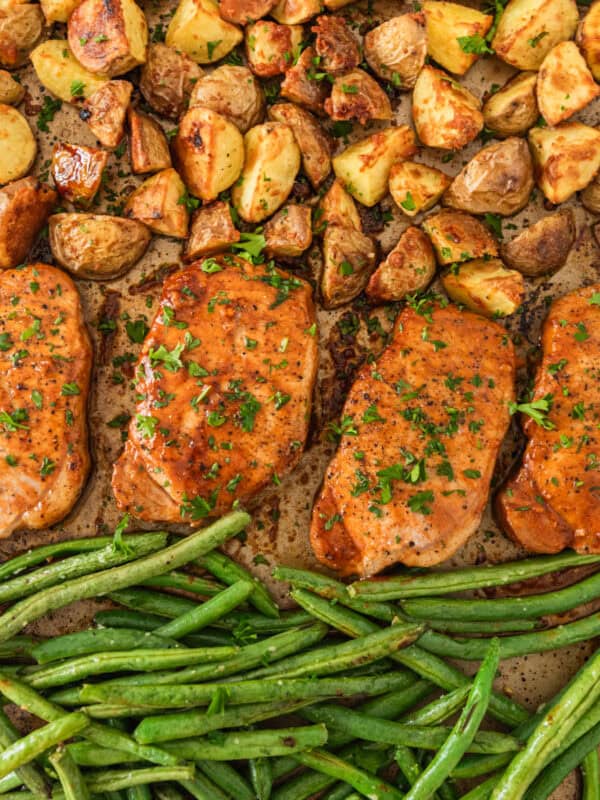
315,146
60,72
542,247
513,110
416,187
208,152
58,10
566,158
271,48
335,44
356,95
19,147
457,237
24,208
408,268
11,92
337,208
348,261
590,197
364,167
167,79
105,112
158,204
454,34
148,144
77,171
20,30
529,29
497,180
289,232
446,115
241,12
486,287
565,85
199,31
301,84
212,231
588,38
295,12
97,246
233,92
396,49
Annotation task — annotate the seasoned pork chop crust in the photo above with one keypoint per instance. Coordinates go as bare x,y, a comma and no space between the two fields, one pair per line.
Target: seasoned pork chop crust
421,430
45,364
225,381
553,501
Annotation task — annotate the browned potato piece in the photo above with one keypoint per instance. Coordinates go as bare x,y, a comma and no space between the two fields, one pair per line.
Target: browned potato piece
513,110
58,10
566,158
396,49
408,268
348,260
337,208
590,197
588,38
147,144
446,115
271,48
59,71
212,231
20,30
157,203
300,84
198,30
289,232
315,146
11,92
233,92
241,12
108,37
564,85
24,209
77,171
357,95
97,246
19,146
335,44
295,12
497,180
105,112
459,237
167,79
542,247
416,187
450,26
486,287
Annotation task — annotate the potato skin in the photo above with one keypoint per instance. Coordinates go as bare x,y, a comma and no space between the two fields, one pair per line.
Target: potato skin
542,247
241,12
416,187
315,146
19,146
148,145
457,237
486,287
337,208
295,12
564,84
396,49
513,110
77,171
97,246
58,10
408,268
590,197
356,95
212,231
195,28
233,92
270,47
348,260
299,87
167,79
156,203
588,38
59,71
11,92
446,24
24,208
566,158
289,232
335,45
105,112
20,30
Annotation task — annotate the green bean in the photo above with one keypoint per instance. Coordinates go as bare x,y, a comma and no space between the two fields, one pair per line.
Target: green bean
97,641
475,766
225,776
28,774
261,776
440,709
303,786
340,792
229,571
481,792
86,754
12,781
185,582
203,789
408,764
250,744
488,628
71,779
122,618
590,767
141,792
165,791
207,613
19,646
364,782
114,780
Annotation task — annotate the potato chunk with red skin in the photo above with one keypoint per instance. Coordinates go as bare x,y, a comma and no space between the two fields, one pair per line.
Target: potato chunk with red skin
24,208
315,145
241,12
300,84
147,144
565,85
457,237
212,231
233,92
396,49
105,112
156,203
335,45
356,95
77,171
289,233
348,260
408,268
167,79
270,47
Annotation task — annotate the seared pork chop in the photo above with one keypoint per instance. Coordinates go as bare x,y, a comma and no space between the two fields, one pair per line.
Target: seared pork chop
45,363
225,382
420,432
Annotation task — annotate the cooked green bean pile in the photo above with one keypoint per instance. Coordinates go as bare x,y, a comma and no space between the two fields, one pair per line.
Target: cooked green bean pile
197,685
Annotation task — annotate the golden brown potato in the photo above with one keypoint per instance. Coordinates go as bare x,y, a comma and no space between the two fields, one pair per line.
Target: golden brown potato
295,12
588,38
364,167
304,84
147,144
271,165
271,48
565,158
334,5
497,180
167,79
241,12
97,246
356,95
486,287
408,268
233,92
58,10
529,29
11,92
199,31
77,171
20,30
105,112
208,152
158,203
457,237
289,232
348,261
315,146
60,72
453,34
212,231
19,147
416,187
337,208
542,247
335,45
446,115
396,49
564,84
24,209
513,110
590,197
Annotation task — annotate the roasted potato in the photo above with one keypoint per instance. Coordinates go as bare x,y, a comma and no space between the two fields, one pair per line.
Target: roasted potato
198,30
289,232
304,85
529,29
486,287
58,10
271,165
457,237
271,48
452,32
77,171
497,180
590,197
396,49
542,247
212,231
565,158
148,144
416,187
408,268
11,92
167,79
513,110
348,261
60,72
364,167
24,209
295,12
208,152
356,95
20,30
337,208
315,146
97,246
446,115
335,45
158,203
564,84
19,147
105,112
241,12
334,5
588,38
233,92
